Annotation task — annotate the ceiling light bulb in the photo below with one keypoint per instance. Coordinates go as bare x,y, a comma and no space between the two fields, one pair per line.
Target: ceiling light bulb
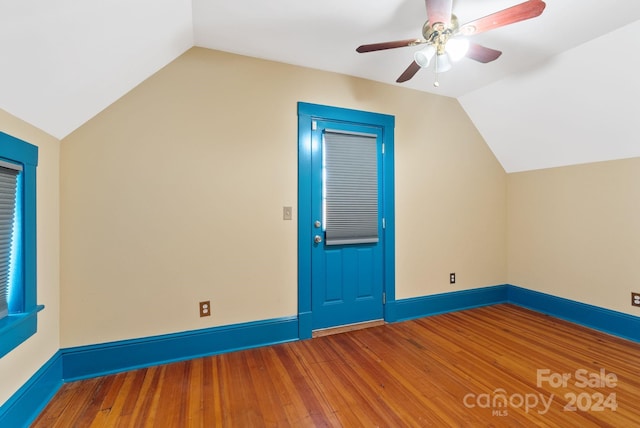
457,48
423,56
443,63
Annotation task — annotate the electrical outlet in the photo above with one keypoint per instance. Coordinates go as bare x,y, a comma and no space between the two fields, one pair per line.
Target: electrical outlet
205,309
452,278
635,299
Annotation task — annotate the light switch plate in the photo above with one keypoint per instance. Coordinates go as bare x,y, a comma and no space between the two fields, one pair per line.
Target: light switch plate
287,213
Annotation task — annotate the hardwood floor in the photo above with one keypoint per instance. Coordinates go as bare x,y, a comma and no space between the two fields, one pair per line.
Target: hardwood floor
492,366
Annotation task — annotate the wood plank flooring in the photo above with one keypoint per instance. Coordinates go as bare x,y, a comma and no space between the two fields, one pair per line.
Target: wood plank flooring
493,366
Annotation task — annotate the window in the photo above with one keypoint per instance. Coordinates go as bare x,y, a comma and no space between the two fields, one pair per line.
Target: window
350,193
9,220
18,307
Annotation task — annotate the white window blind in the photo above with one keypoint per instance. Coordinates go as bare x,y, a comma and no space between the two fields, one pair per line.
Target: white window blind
8,186
350,188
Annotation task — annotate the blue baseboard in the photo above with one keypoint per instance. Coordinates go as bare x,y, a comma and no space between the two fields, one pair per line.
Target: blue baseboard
27,403
418,307
605,320
97,360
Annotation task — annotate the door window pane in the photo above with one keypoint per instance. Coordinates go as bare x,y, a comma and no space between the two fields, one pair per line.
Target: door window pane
350,190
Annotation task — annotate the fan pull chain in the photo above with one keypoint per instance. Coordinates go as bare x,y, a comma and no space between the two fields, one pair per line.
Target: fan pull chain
436,83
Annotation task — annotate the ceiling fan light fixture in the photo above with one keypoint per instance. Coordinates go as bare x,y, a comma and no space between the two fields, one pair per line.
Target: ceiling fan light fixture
457,48
442,37
443,63
423,56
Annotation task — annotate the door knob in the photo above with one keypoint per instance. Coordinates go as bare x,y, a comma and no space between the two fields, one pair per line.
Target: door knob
317,239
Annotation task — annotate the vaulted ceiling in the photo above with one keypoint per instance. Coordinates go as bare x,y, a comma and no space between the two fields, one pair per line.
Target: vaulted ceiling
563,92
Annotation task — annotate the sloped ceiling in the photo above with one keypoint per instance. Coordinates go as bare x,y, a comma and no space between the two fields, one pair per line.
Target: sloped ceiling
563,92
64,61
577,107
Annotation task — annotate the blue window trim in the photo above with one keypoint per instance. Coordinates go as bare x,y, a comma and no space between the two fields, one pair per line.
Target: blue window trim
22,321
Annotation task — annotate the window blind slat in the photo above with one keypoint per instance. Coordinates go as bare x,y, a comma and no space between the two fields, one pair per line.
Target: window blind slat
8,185
351,188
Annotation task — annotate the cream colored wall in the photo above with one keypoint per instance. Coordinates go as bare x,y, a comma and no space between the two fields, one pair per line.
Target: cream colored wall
574,232
20,364
174,194
450,200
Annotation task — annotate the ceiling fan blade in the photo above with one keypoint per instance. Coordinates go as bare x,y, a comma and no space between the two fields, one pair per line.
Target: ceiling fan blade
482,54
439,11
527,10
389,45
409,72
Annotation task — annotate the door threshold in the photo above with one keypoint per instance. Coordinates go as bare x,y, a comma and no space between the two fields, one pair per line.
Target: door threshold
345,328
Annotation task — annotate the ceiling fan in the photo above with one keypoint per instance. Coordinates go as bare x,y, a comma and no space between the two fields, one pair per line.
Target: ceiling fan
445,39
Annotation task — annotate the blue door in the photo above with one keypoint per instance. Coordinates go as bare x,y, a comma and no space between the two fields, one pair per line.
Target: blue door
346,252
348,236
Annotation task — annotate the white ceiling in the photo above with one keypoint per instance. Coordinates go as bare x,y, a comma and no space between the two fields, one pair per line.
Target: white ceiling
549,100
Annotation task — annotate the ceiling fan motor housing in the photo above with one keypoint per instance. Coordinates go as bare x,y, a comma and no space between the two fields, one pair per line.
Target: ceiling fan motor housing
439,33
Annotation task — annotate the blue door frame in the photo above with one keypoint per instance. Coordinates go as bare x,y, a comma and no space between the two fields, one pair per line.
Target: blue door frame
307,114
